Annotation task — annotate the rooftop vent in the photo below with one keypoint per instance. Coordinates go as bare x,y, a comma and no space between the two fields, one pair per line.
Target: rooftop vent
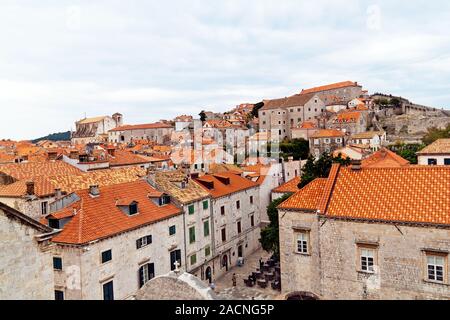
356,165
30,188
94,191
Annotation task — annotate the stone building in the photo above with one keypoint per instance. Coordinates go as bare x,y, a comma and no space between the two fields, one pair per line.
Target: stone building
336,92
373,140
436,154
351,122
158,132
195,202
236,218
281,115
96,129
113,240
326,140
368,233
25,259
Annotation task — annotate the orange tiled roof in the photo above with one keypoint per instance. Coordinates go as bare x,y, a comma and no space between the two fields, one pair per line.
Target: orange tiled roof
307,198
289,187
384,158
30,170
327,133
220,189
409,194
352,116
440,146
100,217
308,125
125,158
156,125
332,86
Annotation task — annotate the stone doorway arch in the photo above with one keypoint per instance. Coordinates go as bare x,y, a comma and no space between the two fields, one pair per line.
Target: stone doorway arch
301,295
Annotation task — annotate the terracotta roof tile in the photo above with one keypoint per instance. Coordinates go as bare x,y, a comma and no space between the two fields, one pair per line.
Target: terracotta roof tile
219,188
332,86
440,146
100,217
308,197
156,125
408,194
384,158
327,133
289,187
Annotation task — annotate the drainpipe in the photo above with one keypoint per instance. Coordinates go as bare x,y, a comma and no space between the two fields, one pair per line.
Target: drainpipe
184,238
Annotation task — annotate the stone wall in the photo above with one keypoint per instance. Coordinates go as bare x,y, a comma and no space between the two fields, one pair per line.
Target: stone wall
26,271
331,270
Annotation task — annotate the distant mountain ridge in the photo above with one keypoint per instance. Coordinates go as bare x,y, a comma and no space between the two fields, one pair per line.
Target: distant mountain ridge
60,136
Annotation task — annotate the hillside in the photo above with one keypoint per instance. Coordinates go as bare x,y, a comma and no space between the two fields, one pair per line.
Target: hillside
60,136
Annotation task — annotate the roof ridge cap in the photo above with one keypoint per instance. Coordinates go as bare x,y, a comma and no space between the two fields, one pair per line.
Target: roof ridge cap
323,204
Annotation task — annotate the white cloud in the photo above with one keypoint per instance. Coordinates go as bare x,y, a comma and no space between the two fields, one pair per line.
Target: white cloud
152,60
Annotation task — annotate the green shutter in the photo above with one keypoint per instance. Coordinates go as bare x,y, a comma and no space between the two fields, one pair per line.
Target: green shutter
192,235
207,251
193,259
205,204
191,209
206,228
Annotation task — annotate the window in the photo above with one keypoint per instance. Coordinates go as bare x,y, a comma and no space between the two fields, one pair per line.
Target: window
57,263
251,199
106,256
164,200
447,161
207,251
108,291
432,162
327,141
133,208
224,234
367,259
172,230
144,241
206,228
205,205
316,141
53,223
44,206
175,256
252,220
338,140
191,234
146,273
222,210
193,259
191,209
302,242
59,295
238,204
239,227
435,267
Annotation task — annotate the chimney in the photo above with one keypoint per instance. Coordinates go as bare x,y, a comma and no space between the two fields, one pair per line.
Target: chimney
30,188
94,191
356,165
58,193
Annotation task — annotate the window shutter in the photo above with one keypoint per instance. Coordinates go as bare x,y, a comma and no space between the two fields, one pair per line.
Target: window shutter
138,243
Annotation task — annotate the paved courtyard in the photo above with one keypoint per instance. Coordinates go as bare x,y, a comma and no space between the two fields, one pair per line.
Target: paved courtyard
226,291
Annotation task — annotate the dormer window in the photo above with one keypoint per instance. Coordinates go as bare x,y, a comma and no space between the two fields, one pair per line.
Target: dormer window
165,199
133,208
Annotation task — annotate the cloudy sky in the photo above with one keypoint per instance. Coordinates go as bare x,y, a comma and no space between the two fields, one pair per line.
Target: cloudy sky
150,60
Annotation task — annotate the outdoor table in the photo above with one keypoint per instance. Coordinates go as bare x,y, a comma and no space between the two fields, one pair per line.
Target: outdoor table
270,276
257,274
262,283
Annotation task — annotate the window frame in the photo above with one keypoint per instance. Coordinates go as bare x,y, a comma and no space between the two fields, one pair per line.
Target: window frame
191,209
305,246
192,235
57,266
106,285
206,228
361,247
436,255
144,274
103,256
174,228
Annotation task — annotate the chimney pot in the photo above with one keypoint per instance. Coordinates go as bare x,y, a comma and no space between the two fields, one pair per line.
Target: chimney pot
30,188
58,193
94,190
356,165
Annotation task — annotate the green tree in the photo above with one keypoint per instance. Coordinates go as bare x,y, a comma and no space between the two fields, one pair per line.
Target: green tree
256,108
320,168
297,148
434,134
407,151
270,235
202,116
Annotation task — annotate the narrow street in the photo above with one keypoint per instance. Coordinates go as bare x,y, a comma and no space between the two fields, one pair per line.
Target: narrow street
226,291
